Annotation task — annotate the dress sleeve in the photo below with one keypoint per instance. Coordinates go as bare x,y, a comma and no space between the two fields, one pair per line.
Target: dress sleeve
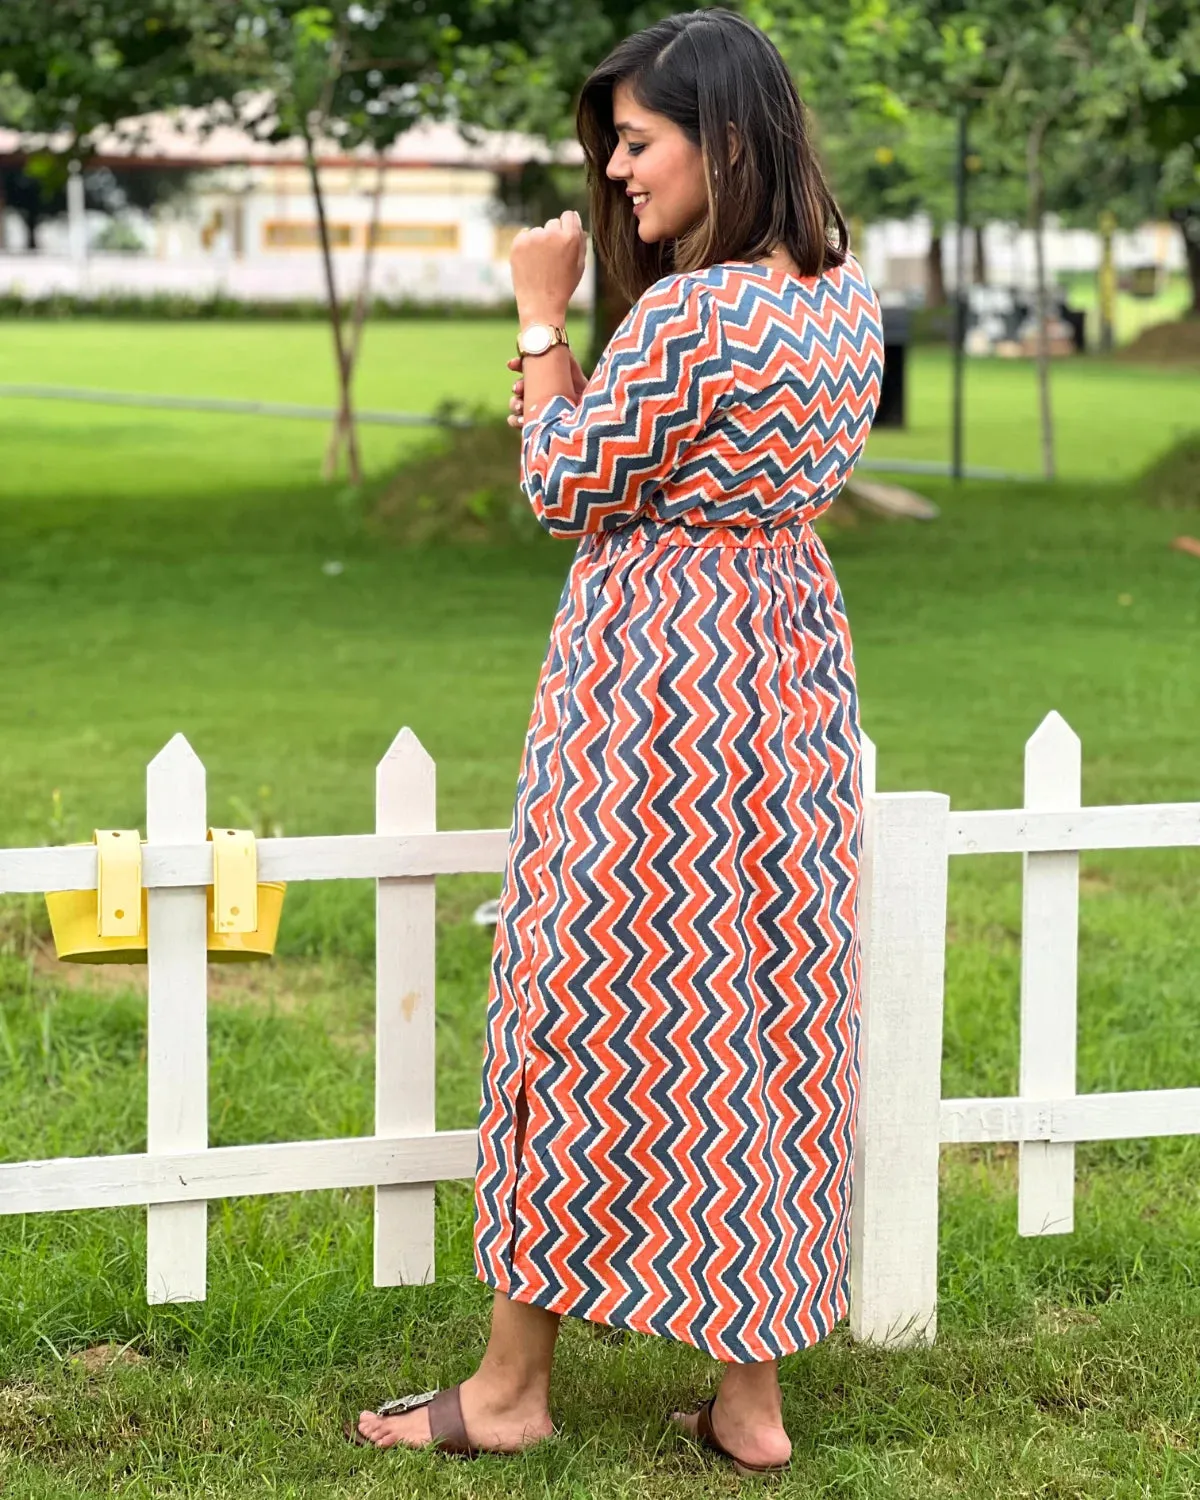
666,369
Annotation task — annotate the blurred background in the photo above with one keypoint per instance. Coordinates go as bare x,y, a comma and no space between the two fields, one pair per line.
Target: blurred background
256,486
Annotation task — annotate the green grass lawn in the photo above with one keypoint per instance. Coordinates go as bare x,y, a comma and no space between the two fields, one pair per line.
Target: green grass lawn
161,572
1112,419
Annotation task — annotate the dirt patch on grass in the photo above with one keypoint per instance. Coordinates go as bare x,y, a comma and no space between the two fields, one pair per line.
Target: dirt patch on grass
100,1356
1176,343
1173,482
1062,1320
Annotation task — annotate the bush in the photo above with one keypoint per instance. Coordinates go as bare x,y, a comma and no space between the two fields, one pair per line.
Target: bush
465,488
166,306
1173,481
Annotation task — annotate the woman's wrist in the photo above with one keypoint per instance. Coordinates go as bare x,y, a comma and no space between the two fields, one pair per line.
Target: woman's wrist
546,312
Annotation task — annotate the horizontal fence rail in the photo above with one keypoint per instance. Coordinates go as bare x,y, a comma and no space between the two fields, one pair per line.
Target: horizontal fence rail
354,856
234,1172
902,1123
369,856
231,406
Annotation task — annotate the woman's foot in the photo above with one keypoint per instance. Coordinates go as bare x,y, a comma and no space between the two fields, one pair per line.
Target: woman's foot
751,1433
501,1420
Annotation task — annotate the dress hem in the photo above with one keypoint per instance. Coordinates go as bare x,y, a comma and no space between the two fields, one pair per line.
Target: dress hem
563,1305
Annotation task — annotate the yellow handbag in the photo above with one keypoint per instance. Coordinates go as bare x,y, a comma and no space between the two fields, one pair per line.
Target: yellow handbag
108,925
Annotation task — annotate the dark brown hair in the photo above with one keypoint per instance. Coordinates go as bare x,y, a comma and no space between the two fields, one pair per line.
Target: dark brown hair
706,69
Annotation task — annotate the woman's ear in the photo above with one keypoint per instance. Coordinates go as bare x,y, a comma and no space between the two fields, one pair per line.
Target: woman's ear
734,143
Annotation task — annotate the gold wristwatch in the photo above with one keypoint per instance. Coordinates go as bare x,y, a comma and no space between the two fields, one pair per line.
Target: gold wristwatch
537,338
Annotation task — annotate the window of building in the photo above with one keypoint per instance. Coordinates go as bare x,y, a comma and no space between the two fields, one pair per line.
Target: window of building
416,236
289,235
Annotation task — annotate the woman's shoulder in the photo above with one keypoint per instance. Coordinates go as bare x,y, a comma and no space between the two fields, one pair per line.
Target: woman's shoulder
679,286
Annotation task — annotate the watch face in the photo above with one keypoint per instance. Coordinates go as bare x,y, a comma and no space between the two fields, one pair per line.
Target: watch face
536,338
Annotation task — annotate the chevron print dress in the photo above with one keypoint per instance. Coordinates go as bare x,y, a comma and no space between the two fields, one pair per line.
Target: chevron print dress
673,1012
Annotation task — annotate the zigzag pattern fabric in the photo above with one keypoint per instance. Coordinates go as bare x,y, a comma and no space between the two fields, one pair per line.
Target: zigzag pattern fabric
671,1072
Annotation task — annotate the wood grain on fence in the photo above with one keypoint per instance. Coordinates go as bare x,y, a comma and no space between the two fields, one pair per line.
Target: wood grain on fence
405,1058
177,1035
902,916
1049,981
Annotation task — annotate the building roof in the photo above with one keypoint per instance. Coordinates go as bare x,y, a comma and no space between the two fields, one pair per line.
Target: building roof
187,138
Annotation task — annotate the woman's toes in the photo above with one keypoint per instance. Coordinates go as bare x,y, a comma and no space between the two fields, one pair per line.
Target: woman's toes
687,1420
411,1429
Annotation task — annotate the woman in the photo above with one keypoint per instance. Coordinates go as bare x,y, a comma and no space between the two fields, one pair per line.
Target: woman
670,1081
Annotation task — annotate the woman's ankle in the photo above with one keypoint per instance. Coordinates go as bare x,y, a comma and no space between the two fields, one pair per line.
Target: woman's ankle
505,1386
751,1394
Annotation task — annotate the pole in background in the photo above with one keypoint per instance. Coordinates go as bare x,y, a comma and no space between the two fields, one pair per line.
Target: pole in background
1107,288
960,293
76,214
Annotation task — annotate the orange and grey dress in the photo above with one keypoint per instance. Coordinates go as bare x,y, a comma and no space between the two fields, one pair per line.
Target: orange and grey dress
674,989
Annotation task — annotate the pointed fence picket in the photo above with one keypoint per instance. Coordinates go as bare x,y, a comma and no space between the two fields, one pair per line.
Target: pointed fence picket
902,1118
177,1025
1049,980
405,1065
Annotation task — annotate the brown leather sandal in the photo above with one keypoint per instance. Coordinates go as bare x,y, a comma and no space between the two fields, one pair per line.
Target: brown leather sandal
448,1432
446,1427
706,1436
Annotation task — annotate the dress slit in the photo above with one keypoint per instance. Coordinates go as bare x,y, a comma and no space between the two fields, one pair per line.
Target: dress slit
521,1113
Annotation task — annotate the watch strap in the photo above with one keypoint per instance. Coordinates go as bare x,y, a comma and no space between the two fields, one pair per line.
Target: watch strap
559,336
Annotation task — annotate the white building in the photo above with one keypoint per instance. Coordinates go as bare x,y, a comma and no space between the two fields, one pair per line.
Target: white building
248,225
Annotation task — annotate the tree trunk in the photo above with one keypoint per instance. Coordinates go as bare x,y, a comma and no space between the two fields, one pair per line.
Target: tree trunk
1036,193
935,276
1189,226
981,269
345,415
361,303
608,308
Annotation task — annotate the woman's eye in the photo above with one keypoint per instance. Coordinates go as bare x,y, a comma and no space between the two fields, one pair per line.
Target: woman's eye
636,150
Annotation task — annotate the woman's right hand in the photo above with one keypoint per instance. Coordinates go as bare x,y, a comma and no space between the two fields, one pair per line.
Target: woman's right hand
516,402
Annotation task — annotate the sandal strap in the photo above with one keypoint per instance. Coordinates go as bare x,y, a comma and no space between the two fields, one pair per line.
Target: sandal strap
707,1435
446,1425
704,1428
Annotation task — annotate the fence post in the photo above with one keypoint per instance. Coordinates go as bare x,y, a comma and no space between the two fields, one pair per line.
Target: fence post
405,1053
1049,980
177,1040
894,1204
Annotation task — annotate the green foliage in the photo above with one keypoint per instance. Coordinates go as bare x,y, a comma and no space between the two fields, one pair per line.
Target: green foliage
1173,482
120,236
465,490
78,66
172,306
1105,91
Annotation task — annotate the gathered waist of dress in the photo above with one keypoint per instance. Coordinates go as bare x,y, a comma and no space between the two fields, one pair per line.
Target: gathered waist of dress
655,530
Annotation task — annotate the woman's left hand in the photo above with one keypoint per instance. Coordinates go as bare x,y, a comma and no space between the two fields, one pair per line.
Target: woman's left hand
547,265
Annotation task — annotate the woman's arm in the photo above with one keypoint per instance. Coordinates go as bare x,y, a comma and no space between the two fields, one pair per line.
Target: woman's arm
549,374
594,465
547,265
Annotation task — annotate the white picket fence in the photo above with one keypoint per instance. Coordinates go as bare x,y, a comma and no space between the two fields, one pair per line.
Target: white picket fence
903,1119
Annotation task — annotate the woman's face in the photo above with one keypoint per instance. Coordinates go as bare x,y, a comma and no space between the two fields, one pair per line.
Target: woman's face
654,157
